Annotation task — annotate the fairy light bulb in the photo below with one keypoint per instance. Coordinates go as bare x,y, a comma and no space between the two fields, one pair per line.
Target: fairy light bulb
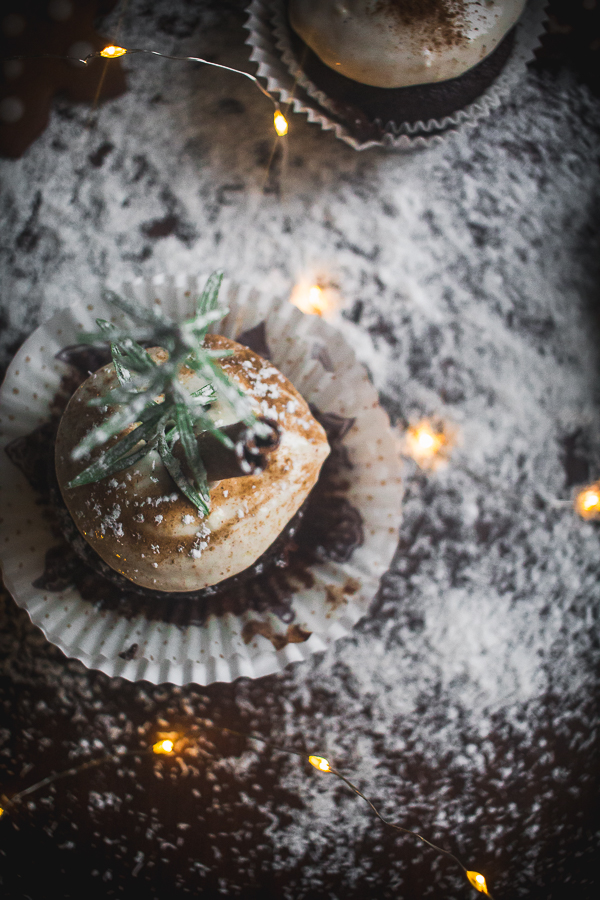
111,52
590,500
165,747
316,299
478,882
587,501
425,440
280,123
320,763
313,300
1,812
423,443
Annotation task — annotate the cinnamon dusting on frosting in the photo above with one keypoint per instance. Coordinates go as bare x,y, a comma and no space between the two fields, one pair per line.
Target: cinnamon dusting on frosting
445,19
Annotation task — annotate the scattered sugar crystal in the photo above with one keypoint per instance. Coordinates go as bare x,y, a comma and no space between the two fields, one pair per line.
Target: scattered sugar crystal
158,519
187,520
111,521
269,412
201,542
226,493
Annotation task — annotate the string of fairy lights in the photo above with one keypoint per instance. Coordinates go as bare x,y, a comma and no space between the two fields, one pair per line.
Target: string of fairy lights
112,51
174,744
430,442
429,445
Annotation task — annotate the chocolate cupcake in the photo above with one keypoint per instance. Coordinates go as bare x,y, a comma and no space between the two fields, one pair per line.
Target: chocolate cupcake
301,593
397,73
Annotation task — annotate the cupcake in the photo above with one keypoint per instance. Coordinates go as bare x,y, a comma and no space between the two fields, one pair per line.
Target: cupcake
399,60
377,71
162,571
398,43
144,526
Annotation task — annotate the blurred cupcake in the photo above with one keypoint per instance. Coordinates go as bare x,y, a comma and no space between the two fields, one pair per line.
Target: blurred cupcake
384,70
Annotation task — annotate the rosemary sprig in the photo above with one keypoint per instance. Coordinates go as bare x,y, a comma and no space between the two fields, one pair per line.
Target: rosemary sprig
151,398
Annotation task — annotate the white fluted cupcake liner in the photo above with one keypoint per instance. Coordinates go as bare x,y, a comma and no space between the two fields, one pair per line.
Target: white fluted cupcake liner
216,651
269,36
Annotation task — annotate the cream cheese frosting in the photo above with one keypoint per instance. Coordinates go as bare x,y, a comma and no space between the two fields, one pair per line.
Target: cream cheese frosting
144,528
396,43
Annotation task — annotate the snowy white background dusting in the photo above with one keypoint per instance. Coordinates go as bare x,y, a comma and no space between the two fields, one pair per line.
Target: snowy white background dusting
464,705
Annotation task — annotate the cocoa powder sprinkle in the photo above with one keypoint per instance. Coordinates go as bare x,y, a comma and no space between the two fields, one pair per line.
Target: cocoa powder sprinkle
445,19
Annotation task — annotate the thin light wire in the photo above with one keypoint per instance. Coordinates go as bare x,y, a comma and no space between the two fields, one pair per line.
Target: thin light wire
399,827
98,55
117,757
353,787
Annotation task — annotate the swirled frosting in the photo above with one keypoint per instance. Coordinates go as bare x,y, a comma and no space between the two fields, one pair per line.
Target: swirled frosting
144,528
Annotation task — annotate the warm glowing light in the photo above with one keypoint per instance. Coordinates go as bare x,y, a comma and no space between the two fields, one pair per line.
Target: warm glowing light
312,300
590,500
478,882
165,747
315,298
280,123
319,763
112,52
423,443
1,812
587,501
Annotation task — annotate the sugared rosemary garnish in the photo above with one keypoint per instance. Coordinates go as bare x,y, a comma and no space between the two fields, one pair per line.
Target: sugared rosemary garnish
152,396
